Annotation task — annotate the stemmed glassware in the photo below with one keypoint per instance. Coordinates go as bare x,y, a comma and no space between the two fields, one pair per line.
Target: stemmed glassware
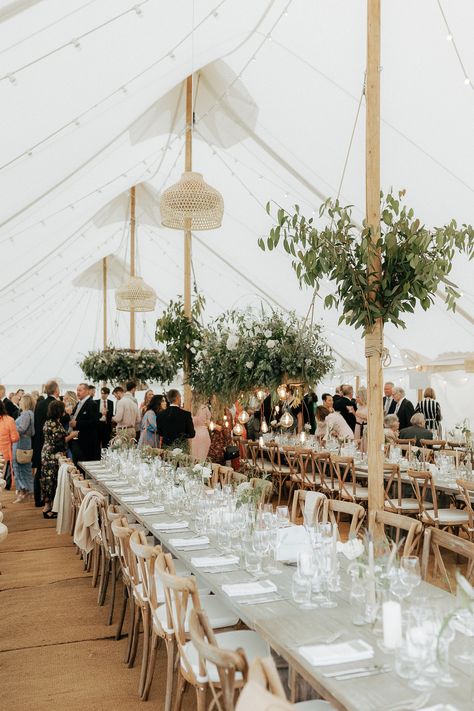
306,570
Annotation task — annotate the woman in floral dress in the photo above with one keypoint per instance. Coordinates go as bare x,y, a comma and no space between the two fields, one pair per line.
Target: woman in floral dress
55,439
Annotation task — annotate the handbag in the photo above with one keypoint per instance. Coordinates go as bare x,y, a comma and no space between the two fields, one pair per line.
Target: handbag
24,456
231,452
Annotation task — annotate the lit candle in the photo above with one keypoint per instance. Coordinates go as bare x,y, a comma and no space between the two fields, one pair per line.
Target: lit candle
392,624
303,437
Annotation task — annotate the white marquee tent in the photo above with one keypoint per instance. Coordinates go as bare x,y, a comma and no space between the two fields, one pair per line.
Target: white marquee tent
92,103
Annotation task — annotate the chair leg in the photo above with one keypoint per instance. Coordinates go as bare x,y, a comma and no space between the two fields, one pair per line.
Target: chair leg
151,666
95,559
180,687
118,633
135,637
104,579
201,693
146,648
170,647
131,628
113,564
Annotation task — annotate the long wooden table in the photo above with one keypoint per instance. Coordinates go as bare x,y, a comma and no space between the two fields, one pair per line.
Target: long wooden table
285,627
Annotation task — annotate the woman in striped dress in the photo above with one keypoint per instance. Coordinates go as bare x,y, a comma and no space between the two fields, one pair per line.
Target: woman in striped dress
429,407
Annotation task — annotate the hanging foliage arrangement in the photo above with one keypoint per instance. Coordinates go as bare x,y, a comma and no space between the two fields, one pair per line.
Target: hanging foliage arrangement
416,261
179,334
241,351
117,365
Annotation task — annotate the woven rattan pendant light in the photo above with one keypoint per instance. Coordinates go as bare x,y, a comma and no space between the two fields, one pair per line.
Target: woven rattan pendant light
135,295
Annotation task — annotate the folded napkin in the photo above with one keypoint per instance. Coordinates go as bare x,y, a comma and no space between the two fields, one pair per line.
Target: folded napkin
216,561
171,525
139,499
127,490
110,482
289,542
189,542
321,655
255,588
440,707
149,509
352,548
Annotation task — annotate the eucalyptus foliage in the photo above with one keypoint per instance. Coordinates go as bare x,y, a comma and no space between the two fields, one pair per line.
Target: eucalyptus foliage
415,260
180,335
117,365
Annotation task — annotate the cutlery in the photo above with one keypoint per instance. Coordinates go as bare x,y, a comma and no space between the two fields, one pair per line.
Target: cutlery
356,670
411,704
321,640
359,675
260,600
227,569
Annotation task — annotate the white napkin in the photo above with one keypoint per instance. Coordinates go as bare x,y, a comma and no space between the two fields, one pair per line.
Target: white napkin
127,490
139,499
243,589
321,655
312,503
352,549
290,541
189,542
170,525
216,561
440,707
149,509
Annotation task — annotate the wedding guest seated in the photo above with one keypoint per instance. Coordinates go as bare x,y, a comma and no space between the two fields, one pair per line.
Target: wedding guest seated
328,402
417,429
332,424
390,425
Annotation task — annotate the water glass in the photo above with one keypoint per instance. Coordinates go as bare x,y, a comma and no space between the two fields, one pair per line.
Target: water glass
283,516
307,570
301,590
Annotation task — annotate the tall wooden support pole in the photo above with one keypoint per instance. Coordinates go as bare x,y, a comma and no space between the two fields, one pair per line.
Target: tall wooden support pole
374,339
132,262
104,289
187,236
357,383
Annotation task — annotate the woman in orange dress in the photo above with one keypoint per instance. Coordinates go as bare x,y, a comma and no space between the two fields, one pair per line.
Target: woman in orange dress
8,436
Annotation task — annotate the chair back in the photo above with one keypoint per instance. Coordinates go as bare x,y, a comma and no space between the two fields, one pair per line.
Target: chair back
435,541
307,468
433,443
466,490
264,690
227,662
274,456
410,526
336,507
395,481
400,442
122,532
423,484
325,471
266,486
256,454
145,558
345,473
298,506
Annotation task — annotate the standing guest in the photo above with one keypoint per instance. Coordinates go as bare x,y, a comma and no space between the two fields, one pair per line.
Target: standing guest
332,424
106,411
390,428
389,403
146,401
295,404
51,390
202,440
347,406
55,439
12,402
118,394
328,402
35,395
310,401
174,424
337,394
8,436
403,408
26,428
70,401
221,438
430,408
91,389
127,414
361,413
416,429
85,421
148,436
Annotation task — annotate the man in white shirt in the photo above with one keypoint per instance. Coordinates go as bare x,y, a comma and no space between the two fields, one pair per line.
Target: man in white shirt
127,414
388,401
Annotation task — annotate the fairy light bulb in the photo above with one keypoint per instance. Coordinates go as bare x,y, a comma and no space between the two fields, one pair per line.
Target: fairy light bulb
260,394
286,420
211,426
282,392
244,417
238,429
264,426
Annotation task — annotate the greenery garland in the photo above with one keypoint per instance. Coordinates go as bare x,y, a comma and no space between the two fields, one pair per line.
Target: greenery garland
181,336
117,365
415,260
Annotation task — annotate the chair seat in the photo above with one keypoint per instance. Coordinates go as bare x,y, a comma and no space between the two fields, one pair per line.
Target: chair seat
456,517
218,613
360,492
330,485
406,504
252,644
283,469
314,705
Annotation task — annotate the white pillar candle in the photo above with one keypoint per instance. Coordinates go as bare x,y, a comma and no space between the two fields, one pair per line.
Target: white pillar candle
392,624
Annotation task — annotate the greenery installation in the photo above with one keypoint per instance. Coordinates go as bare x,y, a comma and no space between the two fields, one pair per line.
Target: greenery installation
415,260
241,351
117,365
181,336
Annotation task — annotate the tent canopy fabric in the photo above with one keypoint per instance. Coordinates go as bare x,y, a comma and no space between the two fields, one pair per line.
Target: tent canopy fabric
93,103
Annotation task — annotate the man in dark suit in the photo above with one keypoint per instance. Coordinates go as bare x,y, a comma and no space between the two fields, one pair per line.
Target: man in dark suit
51,390
347,406
85,419
106,411
174,424
389,403
417,429
403,408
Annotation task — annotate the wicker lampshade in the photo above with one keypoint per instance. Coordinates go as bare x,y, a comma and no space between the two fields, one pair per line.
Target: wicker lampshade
191,204
135,294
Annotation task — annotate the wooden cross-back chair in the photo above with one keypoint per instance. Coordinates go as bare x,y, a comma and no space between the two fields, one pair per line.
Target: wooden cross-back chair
307,470
349,489
356,512
427,497
293,462
266,486
298,506
226,476
280,470
405,527
257,458
466,495
328,482
400,442
394,499
436,541
433,443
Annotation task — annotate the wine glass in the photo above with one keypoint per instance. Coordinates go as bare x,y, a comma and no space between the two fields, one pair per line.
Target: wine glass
306,570
260,545
283,516
410,574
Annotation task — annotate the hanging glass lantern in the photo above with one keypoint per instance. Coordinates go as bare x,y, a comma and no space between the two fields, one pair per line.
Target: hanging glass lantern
264,426
287,420
282,392
191,204
238,429
261,394
135,295
244,417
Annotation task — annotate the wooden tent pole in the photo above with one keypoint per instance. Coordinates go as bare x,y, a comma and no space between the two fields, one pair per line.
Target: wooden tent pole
104,288
132,262
188,166
374,339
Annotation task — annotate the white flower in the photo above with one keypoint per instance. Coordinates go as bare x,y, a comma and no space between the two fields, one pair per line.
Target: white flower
197,468
196,344
176,451
206,472
352,549
267,334
271,344
245,486
193,350
274,423
249,364
232,342
308,361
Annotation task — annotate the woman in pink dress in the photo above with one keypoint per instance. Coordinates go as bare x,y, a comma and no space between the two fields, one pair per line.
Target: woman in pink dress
202,441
